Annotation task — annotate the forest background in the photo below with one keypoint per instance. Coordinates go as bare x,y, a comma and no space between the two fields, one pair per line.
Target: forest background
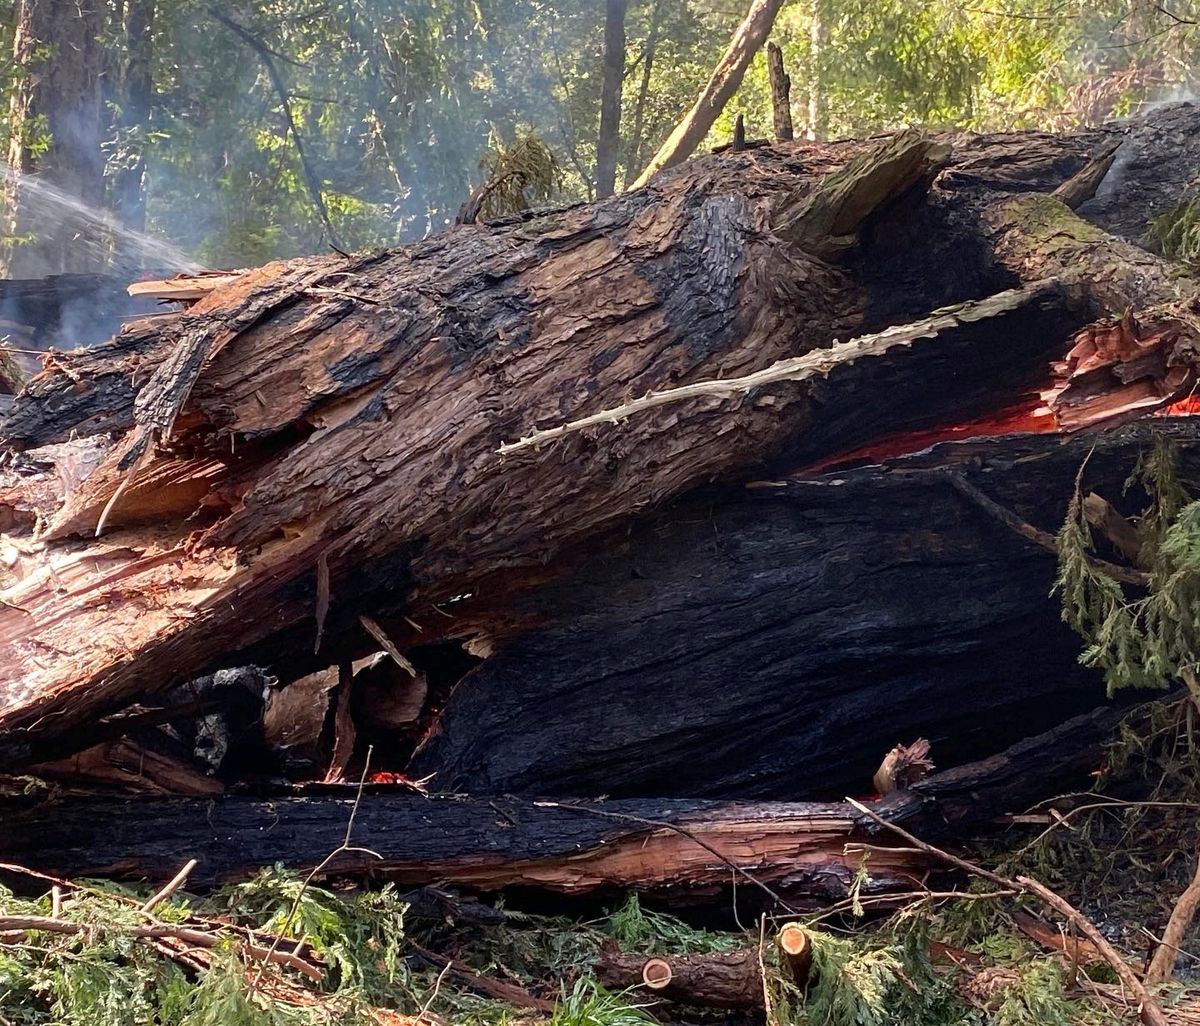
245,130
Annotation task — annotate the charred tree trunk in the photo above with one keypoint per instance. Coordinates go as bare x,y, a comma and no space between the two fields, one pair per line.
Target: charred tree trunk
58,47
431,438
609,143
726,77
682,847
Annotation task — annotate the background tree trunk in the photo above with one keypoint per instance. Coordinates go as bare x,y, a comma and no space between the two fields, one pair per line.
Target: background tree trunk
818,107
57,105
609,143
726,77
633,159
135,96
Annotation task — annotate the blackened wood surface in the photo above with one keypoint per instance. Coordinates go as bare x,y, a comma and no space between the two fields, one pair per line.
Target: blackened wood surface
491,843
779,643
346,413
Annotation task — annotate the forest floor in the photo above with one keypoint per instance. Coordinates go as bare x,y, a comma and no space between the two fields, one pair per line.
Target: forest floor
1121,853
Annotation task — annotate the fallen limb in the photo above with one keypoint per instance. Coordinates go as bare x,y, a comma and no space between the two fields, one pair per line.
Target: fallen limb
1162,965
686,849
727,979
501,990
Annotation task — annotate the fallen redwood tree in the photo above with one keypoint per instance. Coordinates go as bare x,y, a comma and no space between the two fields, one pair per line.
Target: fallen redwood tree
465,440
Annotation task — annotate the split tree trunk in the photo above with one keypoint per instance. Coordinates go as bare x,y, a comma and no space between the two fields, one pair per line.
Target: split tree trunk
320,440
726,77
682,847
294,411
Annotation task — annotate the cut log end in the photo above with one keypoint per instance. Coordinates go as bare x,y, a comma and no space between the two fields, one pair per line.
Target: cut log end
657,973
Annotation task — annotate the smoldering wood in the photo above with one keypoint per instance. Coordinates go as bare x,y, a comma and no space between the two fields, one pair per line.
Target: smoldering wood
140,484
874,606
347,412
68,310
685,848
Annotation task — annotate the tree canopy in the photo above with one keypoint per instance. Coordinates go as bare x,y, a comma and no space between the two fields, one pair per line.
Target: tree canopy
279,127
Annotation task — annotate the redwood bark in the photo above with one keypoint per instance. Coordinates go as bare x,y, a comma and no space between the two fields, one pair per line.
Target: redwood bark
349,413
688,849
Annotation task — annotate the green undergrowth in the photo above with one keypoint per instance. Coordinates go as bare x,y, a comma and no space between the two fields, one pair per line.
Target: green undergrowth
1175,233
865,974
1121,854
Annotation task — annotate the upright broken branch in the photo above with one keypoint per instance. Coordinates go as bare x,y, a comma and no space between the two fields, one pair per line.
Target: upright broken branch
722,84
781,94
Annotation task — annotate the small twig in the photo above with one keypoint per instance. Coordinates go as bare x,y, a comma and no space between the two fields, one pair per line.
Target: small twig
1162,965
1064,818
1039,537
485,985
762,972
437,986
389,646
197,938
169,888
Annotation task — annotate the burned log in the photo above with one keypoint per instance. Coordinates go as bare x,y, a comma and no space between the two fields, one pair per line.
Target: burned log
675,846
873,606
320,441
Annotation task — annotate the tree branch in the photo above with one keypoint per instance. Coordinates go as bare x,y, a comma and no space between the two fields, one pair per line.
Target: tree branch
268,57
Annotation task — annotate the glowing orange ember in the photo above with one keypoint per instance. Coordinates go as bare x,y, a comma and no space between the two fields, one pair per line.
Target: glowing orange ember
1030,417
1186,407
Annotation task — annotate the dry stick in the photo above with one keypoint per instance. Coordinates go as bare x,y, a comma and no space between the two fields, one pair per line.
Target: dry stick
817,363
389,646
1162,965
70,886
169,888
197,938
1151,1013
762,973
498,989
662,824
1036,535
